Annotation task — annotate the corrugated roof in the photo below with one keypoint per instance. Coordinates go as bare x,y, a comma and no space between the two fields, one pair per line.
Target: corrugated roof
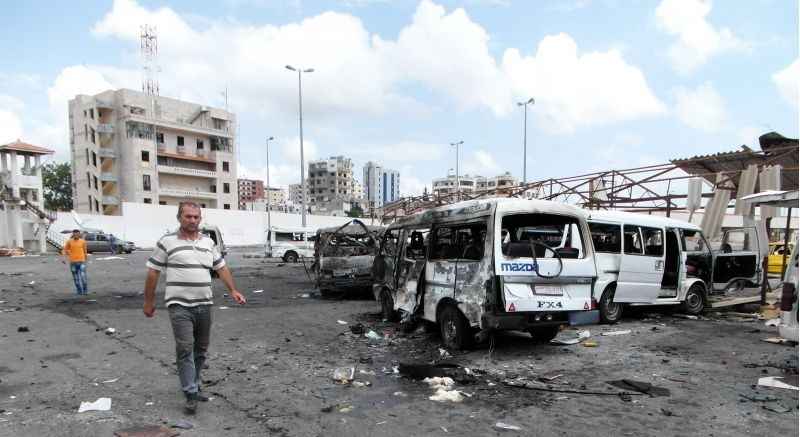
775,150
26,149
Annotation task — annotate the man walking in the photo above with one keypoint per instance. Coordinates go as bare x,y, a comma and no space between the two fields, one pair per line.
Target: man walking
187,257
75,254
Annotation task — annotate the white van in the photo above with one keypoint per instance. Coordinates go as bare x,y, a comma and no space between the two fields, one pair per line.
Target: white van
645,259
290,243
490,264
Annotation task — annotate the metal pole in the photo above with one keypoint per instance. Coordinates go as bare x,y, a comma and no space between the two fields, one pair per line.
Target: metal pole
525,148
786,243
302,158
458,179
269,209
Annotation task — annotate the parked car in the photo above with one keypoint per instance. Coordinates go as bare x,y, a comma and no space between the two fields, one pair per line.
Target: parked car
652,260
343,256
491,264
98,241
776,259
290,244
215,234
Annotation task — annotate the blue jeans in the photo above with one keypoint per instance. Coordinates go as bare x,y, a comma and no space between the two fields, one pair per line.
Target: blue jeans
191,327
78,270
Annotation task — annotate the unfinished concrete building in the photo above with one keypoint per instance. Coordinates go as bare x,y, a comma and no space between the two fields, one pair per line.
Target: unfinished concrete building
127,146
330,185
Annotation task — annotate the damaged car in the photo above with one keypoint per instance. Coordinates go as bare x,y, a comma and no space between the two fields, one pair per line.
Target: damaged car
493,264
343,256
651,260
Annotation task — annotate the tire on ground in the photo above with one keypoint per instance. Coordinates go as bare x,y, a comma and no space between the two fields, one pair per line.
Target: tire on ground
454,328
543,334
610,312
695,301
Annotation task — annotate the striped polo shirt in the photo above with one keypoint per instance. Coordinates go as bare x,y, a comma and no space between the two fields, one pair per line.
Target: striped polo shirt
187,264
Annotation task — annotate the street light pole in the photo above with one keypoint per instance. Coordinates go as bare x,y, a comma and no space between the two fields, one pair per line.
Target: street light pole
269,209
300,72
458,181
525,140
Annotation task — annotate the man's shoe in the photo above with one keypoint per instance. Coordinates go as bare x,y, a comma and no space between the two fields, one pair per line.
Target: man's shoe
191,404
201,397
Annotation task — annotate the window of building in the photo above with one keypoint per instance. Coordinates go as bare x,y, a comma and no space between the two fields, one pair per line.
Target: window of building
91,113
226,187
213,188
226,206
160,137
225,166
148,200
180,141
94,159
85,132
96,206
202,205
162,202
145,156
89,181
84,113
92,135
135,110
87,156
90,202
146,182
200,145
95,181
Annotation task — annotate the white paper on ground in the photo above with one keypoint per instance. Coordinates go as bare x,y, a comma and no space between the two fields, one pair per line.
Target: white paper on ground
581,335
341,322
775,381
102,404
627,331
502,425
258,291
108,258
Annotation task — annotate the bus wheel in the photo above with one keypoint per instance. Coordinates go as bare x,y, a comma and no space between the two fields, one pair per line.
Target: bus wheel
290,257
695,302
387,307
454,328
544,334
610,312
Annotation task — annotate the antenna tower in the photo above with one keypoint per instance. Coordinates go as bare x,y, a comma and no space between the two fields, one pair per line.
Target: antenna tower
149,51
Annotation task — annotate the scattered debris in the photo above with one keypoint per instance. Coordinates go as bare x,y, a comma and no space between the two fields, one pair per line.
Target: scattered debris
507,427
110,331
399,394
109,381
589,343
361,384
420,371
23,329
258,291
772,322
668,413
758,397
777,408
357,329
147,431
29,284
611,333
443,389
12,251
343,375
345,409
182,424
777,382
639,386
223,308
444,354
108,258
570,337
685,316
531,385
341,322
777,340
372,335
101,404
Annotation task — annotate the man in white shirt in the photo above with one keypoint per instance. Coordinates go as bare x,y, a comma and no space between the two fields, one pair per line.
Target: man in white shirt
187,257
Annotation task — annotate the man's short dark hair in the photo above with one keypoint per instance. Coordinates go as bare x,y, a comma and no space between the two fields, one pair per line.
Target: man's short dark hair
185,204
78,231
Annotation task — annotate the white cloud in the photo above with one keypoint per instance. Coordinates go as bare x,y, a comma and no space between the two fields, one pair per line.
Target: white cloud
410,185
480,162
748,135
787,82
357,72
574,90
701,108
10,126
403,151
697,39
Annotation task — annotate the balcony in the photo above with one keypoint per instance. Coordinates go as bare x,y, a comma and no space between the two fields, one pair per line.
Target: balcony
105,128
106,153
110,200
162,147
182,150
180,125
179,192
108,177
187,171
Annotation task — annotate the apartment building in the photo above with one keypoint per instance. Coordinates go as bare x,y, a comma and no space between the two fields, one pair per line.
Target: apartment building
330,185
381,185
250,190
473,183
127,146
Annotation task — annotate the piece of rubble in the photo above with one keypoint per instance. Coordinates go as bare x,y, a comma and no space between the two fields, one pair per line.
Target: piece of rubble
110,331
777,382
23,329
570,337
343,375
507,427
101,404
612,333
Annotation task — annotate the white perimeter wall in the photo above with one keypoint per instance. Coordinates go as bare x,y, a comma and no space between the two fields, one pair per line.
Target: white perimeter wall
144,224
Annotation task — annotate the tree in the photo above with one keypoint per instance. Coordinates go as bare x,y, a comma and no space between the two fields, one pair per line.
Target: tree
57,182
355,211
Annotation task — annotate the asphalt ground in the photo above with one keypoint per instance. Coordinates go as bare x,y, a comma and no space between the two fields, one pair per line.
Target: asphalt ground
271,364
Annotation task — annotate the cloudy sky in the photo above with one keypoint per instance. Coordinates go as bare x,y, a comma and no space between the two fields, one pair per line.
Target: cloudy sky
616,83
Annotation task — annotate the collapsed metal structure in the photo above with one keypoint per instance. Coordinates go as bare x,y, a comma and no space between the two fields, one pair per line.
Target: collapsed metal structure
660,187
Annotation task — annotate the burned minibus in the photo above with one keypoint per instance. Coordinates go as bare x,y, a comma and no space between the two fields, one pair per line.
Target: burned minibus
343,256
492,264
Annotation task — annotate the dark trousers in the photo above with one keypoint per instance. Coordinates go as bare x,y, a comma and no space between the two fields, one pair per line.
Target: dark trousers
192,328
